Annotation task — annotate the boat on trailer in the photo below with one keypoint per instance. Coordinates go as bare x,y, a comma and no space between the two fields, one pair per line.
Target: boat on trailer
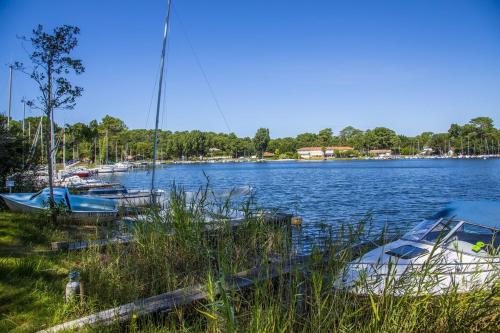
457,249
78,208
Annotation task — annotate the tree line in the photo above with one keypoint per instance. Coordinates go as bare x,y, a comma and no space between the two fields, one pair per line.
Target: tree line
110,140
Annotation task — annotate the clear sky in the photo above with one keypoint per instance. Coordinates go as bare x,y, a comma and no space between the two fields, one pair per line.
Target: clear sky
292,66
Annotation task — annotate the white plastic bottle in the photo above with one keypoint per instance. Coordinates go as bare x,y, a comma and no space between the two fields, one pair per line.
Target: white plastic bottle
72,287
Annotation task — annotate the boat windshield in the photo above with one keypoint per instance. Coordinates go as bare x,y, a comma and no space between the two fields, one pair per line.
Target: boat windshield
440,230
419,230
475,239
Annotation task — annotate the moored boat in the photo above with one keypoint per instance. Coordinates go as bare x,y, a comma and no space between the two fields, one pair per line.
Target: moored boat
75,182
77,208
456,249
129,197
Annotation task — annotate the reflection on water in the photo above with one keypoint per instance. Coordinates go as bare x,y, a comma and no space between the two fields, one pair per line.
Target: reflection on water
397,193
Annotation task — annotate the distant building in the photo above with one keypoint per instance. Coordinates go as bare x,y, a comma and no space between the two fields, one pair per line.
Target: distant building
427,151
321,152
380,152
267,155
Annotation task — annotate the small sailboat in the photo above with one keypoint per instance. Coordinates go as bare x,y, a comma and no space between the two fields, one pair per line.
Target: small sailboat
456,249
78,208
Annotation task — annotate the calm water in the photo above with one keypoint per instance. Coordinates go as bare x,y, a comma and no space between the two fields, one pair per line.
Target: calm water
398,193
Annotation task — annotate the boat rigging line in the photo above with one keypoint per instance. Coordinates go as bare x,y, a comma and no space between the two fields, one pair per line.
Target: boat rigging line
205,76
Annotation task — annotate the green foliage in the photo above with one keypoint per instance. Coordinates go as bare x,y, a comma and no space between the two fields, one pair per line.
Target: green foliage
18,163
261,140
325,137
83,141
479,136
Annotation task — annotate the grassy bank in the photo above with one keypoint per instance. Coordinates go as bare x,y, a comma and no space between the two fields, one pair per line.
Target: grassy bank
33,278
175,251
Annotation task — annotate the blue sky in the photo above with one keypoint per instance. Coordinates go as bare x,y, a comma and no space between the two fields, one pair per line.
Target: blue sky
292,66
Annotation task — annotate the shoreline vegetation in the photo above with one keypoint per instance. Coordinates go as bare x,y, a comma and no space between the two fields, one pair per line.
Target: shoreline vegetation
110,141
192,242
173,251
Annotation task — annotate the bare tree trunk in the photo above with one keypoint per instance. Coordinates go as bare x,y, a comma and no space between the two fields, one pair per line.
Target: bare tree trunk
50,147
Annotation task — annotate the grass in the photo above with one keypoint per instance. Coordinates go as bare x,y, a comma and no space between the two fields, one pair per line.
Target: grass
174,250
32,279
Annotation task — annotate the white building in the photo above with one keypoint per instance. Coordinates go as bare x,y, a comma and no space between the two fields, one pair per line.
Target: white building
321,152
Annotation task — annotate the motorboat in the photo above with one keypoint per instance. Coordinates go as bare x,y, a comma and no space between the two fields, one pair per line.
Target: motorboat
457,249
105,169
129,197
120,167
77,208
80,172
112,168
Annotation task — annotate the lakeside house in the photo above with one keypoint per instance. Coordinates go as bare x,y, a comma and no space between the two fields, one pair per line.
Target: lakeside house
267,154
321,152
380,152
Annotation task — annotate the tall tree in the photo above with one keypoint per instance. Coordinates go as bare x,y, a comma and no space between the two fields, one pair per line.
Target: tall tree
110,129
381,138
261,140
325,136
52,62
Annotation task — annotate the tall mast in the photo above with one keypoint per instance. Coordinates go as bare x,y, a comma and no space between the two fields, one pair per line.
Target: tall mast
158,102
10,95
106,146
24,113
64,148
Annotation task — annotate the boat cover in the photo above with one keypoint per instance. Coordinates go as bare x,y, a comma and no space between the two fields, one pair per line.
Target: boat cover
484,212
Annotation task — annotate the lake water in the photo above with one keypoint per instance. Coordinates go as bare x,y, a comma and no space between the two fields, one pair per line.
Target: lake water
397,193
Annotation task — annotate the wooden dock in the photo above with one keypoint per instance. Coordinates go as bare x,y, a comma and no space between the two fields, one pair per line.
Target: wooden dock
182,297
268,217
84,244
172,300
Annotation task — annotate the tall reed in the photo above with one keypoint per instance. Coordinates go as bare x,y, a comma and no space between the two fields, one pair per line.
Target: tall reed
180,246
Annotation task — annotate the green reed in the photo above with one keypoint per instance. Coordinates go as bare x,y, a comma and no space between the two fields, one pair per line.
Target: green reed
177,248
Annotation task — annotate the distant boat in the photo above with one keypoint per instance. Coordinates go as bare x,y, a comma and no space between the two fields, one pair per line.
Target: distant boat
80,172
456,248
105,169
79,208
120,167
112,168
75,182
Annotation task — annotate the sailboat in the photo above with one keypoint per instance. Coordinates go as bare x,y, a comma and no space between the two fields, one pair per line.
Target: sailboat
77,208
